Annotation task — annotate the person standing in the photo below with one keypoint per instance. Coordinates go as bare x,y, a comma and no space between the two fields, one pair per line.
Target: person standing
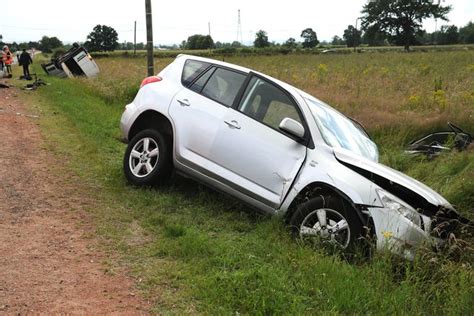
7,59
25,61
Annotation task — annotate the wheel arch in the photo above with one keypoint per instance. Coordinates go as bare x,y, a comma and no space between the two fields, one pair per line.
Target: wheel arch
151,119
315,189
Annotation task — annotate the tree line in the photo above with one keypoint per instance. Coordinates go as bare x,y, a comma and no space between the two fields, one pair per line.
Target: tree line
383,22
351,37
45,44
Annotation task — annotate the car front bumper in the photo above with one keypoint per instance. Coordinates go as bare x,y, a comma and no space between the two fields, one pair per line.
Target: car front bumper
397,234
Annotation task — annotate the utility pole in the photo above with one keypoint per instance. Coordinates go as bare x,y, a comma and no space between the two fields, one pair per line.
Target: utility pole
209,26
135,39
355,35
149,37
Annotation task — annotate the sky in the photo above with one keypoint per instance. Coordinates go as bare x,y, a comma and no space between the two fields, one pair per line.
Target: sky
175,20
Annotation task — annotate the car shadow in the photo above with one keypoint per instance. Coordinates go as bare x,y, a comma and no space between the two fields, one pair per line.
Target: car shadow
195,192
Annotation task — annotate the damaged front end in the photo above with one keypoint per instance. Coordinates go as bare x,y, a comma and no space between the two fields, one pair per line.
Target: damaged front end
410,214
403,231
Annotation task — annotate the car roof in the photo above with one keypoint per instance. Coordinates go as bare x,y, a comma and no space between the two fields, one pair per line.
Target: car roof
284,85
215,61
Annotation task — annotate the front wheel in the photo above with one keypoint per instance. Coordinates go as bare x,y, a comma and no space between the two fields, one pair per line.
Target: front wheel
329,222
147,160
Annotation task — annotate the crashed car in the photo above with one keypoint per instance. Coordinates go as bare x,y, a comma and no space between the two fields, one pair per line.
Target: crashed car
278,149
436,143
76,62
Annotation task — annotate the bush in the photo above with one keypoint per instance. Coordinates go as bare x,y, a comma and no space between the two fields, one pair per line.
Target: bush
58,52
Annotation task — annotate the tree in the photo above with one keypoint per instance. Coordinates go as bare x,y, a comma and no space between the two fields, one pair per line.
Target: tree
448,35
34,45
236,44
336,40
401,19
352,36
47,44
374,37
261,39
199,41
103,38
466,33
310,38
126,46
290,43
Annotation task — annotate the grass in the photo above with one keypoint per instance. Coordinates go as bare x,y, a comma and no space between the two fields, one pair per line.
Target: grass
279,50
197,251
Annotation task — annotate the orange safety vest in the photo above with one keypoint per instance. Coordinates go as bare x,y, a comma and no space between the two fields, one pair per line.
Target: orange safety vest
7,57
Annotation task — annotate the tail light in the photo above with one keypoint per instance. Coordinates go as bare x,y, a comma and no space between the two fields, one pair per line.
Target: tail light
150,80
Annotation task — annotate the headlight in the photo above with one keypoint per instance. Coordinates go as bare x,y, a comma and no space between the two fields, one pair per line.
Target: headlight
395,204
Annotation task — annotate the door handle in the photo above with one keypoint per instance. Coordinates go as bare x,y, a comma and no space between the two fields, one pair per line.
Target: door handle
233,124
184,102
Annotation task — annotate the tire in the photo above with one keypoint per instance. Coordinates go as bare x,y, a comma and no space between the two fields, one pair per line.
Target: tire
342,232
147,160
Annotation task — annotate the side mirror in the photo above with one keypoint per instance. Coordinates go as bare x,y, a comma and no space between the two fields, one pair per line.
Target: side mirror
292,127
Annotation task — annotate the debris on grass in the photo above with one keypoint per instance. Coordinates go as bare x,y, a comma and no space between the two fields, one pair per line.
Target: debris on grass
436,143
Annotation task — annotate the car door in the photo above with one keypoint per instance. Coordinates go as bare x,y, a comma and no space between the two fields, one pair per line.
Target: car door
261,160
197,112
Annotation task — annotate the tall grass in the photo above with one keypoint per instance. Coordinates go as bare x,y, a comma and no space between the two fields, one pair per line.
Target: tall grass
397,97
417,91
196,251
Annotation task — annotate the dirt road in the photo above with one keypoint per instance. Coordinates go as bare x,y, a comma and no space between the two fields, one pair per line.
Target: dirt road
47,262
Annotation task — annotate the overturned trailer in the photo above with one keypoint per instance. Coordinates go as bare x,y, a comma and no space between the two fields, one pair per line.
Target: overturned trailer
76,62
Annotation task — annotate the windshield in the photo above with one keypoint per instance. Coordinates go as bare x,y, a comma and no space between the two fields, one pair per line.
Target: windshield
340,132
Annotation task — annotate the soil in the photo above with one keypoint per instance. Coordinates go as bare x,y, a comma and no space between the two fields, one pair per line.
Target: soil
50,261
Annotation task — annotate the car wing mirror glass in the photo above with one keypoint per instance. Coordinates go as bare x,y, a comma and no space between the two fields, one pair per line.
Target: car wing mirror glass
292,127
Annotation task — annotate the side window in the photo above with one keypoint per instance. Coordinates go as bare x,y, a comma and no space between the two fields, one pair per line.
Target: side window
192,69
268,104
223,86
199,84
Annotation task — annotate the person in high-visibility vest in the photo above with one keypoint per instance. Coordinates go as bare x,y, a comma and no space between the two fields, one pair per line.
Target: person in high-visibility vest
7,58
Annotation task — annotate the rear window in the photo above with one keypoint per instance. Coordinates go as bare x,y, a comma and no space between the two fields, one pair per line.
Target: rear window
223,86
199,84
192,69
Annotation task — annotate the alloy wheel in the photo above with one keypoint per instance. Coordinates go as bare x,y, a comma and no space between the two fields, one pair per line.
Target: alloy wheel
327,226
144,157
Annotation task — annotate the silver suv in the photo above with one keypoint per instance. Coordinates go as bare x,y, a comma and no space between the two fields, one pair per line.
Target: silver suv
277,149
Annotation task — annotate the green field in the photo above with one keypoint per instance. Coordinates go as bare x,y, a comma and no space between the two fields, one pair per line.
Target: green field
192,250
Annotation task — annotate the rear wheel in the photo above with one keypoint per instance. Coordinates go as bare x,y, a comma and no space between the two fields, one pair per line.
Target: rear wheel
328,222
147,160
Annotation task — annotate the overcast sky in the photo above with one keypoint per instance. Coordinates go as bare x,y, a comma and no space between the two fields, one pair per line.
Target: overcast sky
174,20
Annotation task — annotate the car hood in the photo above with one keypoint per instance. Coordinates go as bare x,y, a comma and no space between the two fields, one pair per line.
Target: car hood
403,186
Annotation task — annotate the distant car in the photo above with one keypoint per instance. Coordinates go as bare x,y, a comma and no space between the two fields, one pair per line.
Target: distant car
279,150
